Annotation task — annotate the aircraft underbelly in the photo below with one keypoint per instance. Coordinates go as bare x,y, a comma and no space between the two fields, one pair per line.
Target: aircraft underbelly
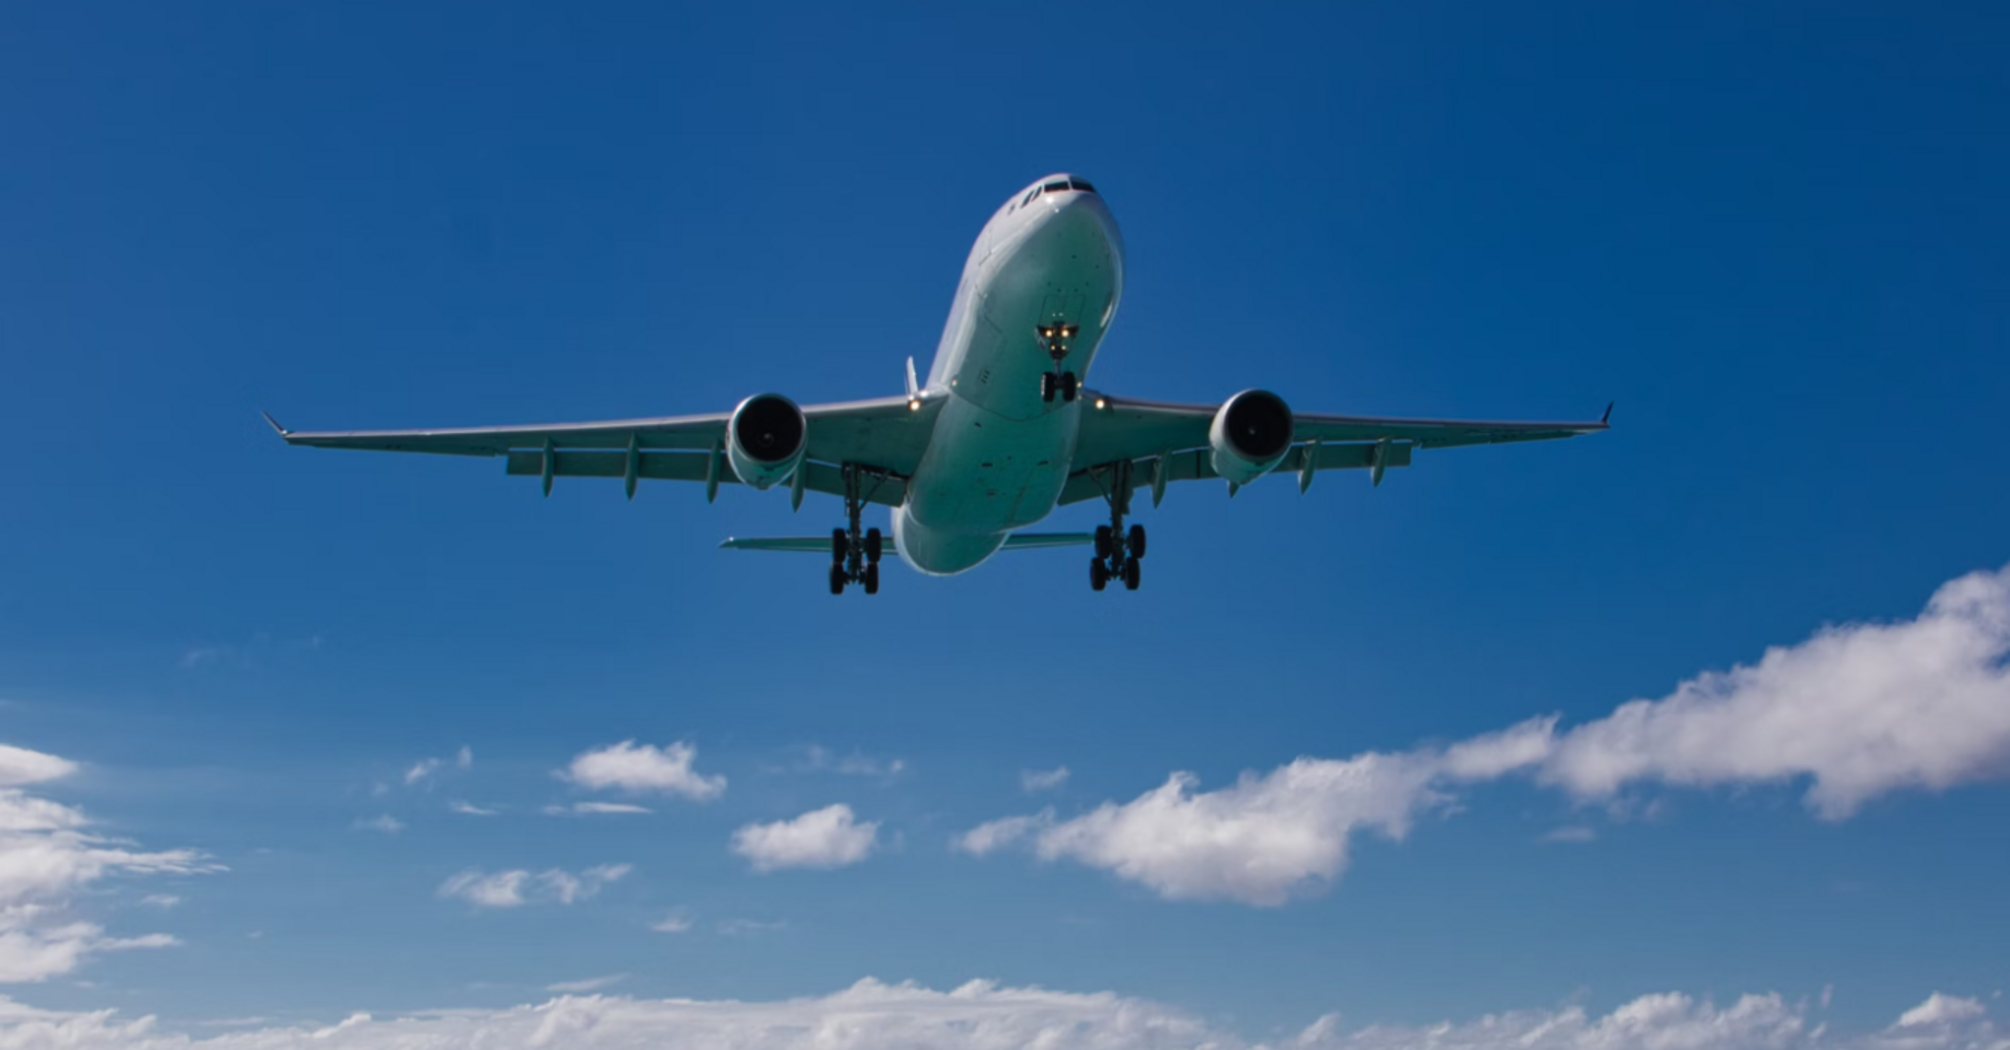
985,473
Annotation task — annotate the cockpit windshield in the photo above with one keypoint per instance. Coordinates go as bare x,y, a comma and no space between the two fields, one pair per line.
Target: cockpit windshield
1058,186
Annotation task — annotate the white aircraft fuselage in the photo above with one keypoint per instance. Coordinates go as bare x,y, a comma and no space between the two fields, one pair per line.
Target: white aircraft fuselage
1000,453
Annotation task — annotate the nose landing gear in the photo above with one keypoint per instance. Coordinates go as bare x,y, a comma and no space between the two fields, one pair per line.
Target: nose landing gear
854,553
1055,338
1117,551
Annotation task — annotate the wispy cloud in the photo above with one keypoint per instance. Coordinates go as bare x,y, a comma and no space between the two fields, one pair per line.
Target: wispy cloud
1033,781
830,837
745,927
593,808
385,823
590,984
514,889
160,900
1859,711
469,809
48,858
675,922
820,759
643,768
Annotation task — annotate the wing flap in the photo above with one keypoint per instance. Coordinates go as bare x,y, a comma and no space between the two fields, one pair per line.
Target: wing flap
886,490
1197,465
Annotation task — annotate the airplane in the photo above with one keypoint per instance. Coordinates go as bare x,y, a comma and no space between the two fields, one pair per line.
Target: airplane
1001,433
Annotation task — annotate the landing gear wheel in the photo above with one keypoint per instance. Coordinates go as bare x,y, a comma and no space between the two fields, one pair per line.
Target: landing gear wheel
1099,574
1136,542
837,579
872,578
1131,575
1104,542
1069,386
838,546
1047,386
873,546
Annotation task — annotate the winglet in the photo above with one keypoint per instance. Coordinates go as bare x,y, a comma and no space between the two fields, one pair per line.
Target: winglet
1606,419
283,432
913,387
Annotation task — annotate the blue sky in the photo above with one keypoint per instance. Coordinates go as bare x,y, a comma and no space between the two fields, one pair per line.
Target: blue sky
1775,235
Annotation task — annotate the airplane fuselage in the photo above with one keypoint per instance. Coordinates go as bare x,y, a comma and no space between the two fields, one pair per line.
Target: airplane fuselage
1038,293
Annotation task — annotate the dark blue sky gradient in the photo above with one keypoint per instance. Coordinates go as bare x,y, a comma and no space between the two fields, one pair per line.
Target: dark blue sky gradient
1774,234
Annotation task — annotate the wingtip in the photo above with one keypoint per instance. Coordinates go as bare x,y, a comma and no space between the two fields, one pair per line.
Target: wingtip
1606,419
281,431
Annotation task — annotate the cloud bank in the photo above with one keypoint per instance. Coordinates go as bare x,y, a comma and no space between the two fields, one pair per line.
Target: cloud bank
984,1016
1857,711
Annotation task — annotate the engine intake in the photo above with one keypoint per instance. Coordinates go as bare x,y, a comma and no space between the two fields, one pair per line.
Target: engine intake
766,439
1251,434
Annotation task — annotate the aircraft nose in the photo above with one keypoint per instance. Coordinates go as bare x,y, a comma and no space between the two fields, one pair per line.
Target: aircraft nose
1080,217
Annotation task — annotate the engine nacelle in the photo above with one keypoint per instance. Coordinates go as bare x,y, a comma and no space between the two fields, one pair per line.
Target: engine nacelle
766,439
1251,433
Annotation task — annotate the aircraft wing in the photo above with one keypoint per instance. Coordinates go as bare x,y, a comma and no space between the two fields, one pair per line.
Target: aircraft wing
1164,442
886,435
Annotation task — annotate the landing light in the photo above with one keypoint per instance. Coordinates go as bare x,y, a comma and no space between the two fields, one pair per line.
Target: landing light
914,405
1100,403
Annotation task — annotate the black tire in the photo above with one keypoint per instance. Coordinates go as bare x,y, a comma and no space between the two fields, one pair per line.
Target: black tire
837,579
1046,386
1069,385
873,545
872,578
838,546
1136,545
1131,575
1105,540
1099,574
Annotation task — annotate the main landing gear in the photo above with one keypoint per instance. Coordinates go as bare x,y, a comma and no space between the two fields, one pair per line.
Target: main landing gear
1055,338
855,554
1117,552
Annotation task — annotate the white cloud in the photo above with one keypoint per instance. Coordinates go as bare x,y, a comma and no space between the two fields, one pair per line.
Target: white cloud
982,1015
48,860
514,889
675,922
643,767
160,900
985,839
19,766
1036,780
385,823
464,759
590,984
1941,1009
590,808
469,809
822,838
421,770
1860,710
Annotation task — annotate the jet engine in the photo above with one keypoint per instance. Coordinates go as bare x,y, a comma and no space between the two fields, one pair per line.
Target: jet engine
766,439
1251,433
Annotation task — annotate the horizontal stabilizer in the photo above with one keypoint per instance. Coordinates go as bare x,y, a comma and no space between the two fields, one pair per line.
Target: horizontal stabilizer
1018,541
